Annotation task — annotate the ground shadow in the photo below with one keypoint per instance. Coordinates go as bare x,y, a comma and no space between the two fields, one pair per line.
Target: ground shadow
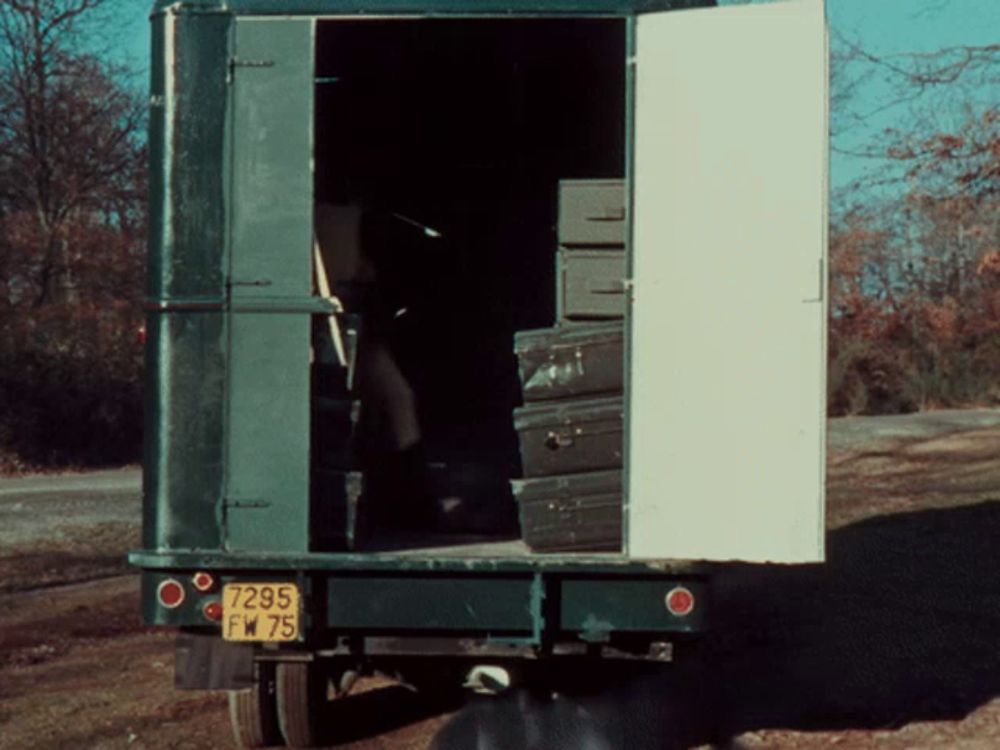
373,712
901,624
660,709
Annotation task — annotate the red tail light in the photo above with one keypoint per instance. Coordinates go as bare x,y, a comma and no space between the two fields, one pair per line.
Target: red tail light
170,593
203,581
680,602
212,611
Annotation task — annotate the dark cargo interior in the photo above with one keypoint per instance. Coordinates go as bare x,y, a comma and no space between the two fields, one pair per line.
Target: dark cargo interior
465,127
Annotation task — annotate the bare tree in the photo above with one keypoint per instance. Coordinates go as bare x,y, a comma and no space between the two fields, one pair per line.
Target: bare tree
70,150
72,223
915,313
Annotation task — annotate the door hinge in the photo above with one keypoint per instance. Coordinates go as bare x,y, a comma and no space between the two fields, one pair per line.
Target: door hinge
236,62
249,503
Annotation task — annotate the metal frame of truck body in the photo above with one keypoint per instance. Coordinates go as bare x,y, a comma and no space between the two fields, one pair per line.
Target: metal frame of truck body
518,605
517,601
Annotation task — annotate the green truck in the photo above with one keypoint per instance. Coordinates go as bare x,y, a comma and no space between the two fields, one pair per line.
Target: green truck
460,119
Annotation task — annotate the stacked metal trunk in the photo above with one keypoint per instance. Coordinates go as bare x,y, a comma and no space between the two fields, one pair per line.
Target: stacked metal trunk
337,481
570,428
338,484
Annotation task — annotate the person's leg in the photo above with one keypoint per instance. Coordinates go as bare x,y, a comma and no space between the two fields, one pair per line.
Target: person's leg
386,388
398,468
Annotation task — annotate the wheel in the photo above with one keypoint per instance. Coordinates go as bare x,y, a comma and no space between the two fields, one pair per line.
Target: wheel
253,711
301,694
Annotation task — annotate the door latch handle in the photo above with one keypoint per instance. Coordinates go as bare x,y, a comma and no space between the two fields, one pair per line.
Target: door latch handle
821,290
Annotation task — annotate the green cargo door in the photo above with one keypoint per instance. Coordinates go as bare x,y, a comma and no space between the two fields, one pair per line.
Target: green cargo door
270,285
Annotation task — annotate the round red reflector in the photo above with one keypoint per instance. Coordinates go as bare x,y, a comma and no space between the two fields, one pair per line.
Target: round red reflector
680,602
212,611
170,593
203,581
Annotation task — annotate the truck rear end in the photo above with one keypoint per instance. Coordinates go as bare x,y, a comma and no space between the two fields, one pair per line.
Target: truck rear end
600,306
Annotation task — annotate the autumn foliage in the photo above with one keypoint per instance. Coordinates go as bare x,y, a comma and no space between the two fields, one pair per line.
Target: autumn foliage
71,242
915,280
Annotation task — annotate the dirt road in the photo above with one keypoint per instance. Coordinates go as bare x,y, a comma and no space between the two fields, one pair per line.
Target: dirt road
891,644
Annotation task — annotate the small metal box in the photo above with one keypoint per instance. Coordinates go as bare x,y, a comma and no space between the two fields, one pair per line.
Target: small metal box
590,284
592,213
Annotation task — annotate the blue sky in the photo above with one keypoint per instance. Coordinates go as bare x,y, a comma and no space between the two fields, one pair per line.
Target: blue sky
882,27
887,27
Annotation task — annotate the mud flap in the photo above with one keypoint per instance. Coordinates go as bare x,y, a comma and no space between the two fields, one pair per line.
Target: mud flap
203,661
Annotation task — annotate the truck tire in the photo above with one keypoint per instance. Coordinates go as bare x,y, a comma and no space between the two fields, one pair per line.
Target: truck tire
253,711
301,693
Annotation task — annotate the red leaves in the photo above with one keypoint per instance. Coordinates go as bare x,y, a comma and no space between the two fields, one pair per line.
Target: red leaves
915,288
989,267
72,189
967,159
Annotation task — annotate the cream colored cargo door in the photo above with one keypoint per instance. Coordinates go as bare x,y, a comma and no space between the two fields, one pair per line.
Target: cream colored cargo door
727,380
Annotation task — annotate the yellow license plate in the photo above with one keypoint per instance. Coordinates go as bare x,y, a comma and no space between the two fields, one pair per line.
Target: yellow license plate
263,612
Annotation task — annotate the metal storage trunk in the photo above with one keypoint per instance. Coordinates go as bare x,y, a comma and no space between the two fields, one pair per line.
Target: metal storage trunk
592,213
579,512
336,513
590,284
567,437
334,423
570,361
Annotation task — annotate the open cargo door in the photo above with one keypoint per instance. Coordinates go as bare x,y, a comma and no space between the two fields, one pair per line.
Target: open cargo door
267,498
727,380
